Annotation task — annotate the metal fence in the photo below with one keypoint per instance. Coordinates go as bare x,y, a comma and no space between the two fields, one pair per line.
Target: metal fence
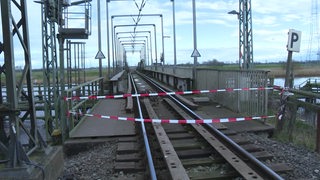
249,103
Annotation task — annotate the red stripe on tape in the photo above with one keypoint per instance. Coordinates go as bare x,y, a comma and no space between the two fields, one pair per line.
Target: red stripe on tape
97,115
196,92
127,95
114,117
229,89
199,121
162,94
109,97
232,119
165,121
147,120
182,121
130,119
92,97
144,95
179,92
247,118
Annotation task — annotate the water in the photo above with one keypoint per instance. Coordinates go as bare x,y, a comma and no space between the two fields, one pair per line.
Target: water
303,114
296,82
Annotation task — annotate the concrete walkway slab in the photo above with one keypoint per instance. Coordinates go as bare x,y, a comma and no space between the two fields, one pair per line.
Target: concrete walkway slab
97,127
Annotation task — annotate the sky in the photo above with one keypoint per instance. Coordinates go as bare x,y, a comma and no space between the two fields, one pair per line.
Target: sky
217,31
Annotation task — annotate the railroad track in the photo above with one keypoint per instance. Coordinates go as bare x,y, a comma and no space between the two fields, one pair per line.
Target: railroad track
188,151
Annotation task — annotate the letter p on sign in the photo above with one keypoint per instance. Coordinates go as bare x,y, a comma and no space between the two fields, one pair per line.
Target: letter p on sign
294,40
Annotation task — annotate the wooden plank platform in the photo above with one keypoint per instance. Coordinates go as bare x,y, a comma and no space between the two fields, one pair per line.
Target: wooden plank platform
97,127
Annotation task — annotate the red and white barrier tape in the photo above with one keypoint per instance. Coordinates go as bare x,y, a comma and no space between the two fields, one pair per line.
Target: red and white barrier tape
165,93
174,121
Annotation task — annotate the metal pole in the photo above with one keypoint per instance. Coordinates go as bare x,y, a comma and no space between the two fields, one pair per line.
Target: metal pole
163,62
113,45
99,47
194,43
174,37
245,37
318,133
155,45
108,43
150,62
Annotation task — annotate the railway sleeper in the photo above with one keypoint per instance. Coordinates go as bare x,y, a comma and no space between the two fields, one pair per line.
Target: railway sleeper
194,153
186,144
128,147
129,167
212,174
205,161
280,167
239,139
178,136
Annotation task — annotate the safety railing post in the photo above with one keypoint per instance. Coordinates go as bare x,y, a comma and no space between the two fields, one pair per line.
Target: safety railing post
318,133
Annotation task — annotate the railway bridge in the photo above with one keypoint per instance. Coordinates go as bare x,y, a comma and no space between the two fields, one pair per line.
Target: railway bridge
39,122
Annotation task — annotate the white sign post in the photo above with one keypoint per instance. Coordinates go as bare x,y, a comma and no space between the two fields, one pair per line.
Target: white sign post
294,41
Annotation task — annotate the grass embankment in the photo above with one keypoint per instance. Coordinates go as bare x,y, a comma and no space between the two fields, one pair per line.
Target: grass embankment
37,75
299,69
277,70
302,134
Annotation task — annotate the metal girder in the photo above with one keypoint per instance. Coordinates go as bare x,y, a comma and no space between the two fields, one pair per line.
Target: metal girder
245,34
17,152
50,68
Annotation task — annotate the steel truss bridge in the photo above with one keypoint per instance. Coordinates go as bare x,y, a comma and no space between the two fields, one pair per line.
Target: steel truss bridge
64,65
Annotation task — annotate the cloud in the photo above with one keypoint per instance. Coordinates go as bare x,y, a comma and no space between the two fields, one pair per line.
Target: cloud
217,31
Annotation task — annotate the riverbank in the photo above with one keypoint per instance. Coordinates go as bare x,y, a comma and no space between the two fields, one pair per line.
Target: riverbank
298,71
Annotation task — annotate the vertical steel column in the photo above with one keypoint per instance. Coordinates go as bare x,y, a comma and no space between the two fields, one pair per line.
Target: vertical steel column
174,37
318,132
16,153
28,72
99,47
163,59
50,68
108,39
61,111
113,46
245,33
12,98
195,61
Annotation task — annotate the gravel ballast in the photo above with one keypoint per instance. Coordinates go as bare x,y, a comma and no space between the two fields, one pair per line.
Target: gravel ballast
97,163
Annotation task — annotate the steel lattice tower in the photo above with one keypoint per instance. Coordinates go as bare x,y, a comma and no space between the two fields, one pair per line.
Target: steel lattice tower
314,33
50,17
245,34
12,146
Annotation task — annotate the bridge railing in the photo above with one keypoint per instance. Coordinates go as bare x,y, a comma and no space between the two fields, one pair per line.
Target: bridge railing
76,105
250,103
246,102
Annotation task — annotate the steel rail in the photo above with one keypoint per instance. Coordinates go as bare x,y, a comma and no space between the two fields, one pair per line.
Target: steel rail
145,137
258,164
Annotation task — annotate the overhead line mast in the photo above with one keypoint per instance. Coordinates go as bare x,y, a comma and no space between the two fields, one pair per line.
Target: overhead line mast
314,33
245,34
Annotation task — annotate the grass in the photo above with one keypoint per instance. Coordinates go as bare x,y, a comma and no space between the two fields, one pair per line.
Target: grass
303,135
37,75
276,69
